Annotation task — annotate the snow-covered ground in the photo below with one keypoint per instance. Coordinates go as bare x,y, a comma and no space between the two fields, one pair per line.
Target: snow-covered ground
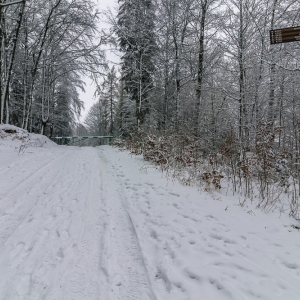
97,223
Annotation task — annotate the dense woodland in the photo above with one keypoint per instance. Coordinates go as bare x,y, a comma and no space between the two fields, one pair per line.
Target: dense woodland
197,79
203,68
204,94
46,46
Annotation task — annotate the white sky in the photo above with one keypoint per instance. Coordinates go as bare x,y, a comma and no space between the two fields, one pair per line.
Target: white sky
87,97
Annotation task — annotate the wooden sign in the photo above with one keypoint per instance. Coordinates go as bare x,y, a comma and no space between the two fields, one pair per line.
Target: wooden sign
285,35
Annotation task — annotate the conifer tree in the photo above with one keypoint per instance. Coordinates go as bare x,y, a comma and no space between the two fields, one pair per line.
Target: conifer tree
109,97
135,30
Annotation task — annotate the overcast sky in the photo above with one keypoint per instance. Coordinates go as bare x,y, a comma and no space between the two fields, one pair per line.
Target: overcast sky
87,97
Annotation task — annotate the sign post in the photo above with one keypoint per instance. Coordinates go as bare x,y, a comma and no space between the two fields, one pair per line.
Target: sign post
285,35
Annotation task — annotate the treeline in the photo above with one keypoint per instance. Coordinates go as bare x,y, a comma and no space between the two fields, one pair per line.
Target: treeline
201,75
45,48
205,68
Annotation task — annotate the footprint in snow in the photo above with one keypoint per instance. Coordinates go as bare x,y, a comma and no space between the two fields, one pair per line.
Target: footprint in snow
193,275
179,286
209,217
292,266
60,255
65,235
224,239
174,194
153,234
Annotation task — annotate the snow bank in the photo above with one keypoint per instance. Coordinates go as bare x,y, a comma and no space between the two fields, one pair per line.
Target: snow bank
10,132
12,136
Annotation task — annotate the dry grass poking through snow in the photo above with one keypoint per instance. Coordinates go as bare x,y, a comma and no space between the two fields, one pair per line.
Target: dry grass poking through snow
266,175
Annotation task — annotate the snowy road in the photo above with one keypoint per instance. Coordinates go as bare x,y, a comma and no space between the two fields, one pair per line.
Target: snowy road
62,219
95,223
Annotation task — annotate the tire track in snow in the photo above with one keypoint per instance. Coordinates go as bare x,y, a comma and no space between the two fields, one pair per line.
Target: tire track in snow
18,203
72,237
126,268
19,163
24,261
86,279
61,237
31,178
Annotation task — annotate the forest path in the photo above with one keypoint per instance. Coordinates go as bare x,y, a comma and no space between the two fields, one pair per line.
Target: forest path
65,232
100,224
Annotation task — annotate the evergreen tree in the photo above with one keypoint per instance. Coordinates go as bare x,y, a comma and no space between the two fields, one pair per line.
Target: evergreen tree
95,120
135,30
109,97
66,108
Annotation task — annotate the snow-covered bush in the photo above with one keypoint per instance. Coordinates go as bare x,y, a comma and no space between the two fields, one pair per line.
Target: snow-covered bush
265,173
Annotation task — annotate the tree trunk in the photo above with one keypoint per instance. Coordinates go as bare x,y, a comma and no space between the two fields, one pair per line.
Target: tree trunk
242,109
204,7
1,66
5,96
37,60
111,106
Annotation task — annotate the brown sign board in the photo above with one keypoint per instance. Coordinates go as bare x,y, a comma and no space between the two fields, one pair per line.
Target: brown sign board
285,35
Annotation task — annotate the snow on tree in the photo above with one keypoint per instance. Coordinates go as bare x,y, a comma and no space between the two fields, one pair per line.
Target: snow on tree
136,37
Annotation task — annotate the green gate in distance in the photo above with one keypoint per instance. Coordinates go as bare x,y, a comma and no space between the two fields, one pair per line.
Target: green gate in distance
75,140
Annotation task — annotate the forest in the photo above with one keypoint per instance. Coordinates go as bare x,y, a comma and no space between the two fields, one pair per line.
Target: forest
200,91
46,46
